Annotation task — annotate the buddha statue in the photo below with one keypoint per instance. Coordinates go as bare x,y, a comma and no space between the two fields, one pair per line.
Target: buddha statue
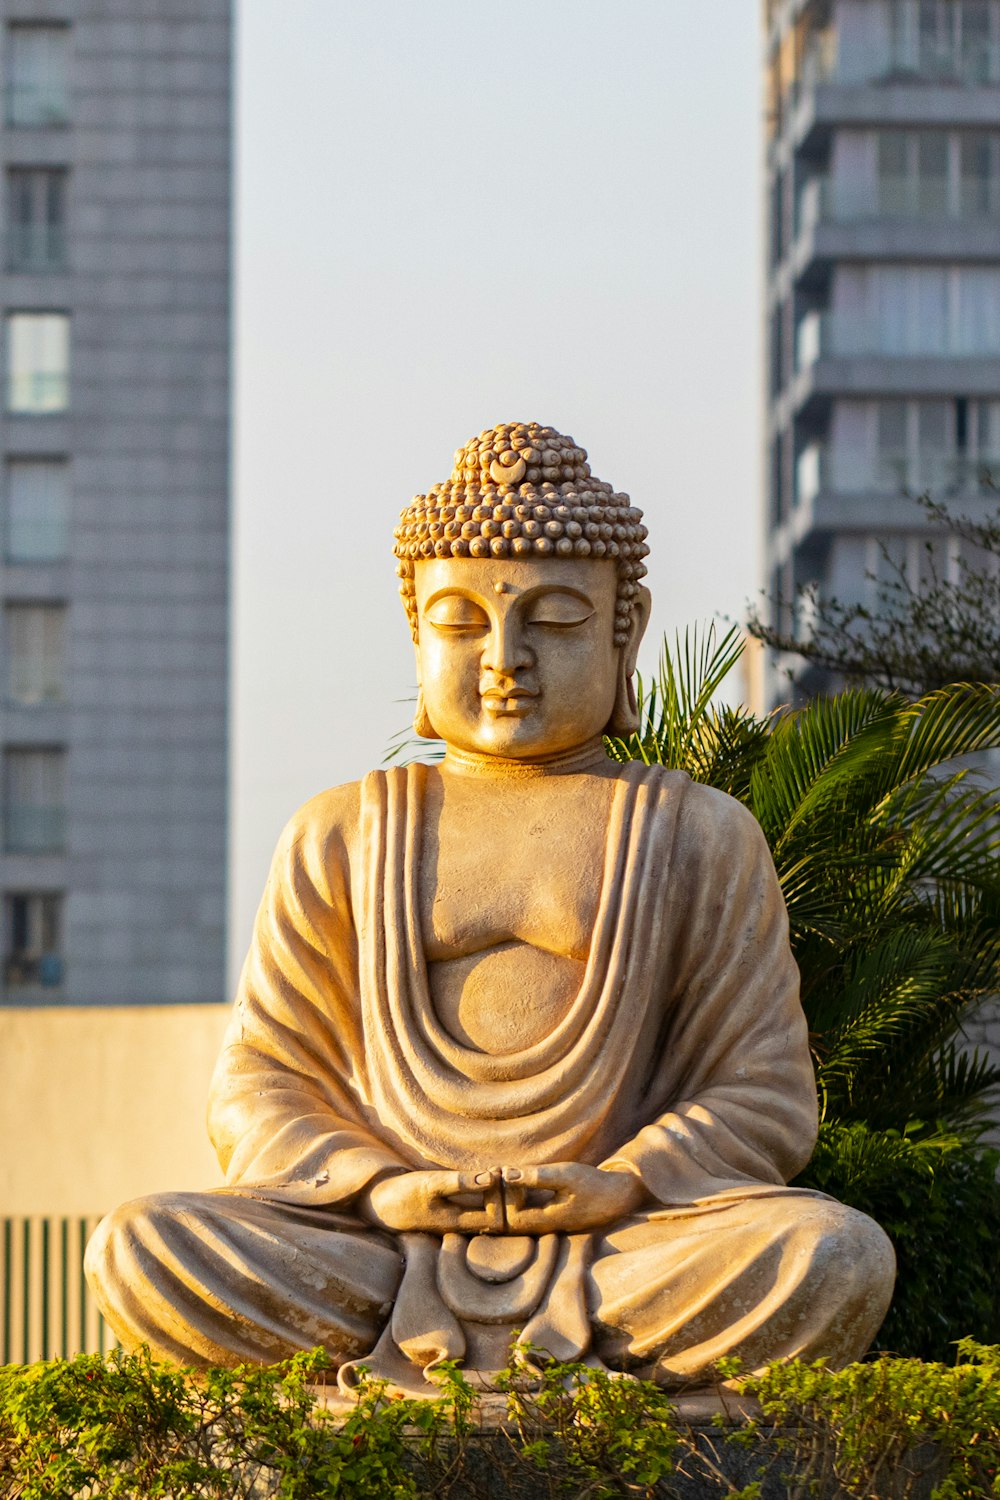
517,1052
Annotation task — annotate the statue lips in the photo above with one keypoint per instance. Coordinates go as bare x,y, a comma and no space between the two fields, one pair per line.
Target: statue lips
508,702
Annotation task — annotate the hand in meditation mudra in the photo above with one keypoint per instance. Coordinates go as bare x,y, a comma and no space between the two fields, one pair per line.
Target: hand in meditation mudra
518,1048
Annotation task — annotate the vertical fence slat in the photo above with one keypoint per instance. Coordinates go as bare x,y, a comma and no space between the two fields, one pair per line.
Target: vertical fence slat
64,1288
8,1290
45,1348
84,1289
26,1243
46,1307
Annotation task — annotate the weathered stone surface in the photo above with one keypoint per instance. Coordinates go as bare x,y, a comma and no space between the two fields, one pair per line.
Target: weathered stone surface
526,993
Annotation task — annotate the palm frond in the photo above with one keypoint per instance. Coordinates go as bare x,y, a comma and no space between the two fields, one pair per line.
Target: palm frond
834,751
886,845
947,1089
960,719
675,710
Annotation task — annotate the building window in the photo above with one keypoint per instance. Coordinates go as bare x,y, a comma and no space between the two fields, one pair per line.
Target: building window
36,218
37,362
913,174
36,671
37,510
33,941
941,446
953,40
913,310
979,190
37,75
34,801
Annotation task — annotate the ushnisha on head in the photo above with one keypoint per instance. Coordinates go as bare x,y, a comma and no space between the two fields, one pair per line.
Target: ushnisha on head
521,579
521,490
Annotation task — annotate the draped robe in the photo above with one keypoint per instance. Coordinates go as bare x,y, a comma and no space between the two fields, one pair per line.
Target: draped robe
683,1059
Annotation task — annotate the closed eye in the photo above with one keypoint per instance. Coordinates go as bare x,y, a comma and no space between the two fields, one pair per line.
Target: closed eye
455,612
560,610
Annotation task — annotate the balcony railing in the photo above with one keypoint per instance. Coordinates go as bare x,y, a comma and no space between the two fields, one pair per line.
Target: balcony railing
972,64
827,200
37,539
937,472
37,105
826,334
820,468
812,473
812,339
27,974
34,685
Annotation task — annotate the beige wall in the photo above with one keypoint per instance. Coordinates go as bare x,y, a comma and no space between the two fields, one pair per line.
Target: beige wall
102,1104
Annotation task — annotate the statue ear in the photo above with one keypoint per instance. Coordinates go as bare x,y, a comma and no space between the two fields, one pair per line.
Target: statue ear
422,725
624,719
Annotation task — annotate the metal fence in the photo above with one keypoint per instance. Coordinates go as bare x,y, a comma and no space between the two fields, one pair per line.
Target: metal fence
47,1310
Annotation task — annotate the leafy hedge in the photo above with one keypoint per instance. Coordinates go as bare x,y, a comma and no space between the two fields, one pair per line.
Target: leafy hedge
938,1199
886,840
128,1427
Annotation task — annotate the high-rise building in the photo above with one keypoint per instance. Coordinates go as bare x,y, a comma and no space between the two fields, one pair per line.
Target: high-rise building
114,486
883,285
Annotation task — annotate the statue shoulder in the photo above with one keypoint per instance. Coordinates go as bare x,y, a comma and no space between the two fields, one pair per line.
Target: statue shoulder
323,837
706,816
322,829
720,830
336,807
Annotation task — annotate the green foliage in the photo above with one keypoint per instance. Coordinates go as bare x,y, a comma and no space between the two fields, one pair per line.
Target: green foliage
888,860
938,1199
128,1427
592,1432
866,1430
886,846
917,634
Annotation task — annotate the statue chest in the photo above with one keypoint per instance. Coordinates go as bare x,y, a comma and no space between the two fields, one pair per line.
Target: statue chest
508,893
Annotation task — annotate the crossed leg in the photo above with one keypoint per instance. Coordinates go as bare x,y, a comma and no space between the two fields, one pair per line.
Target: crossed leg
223,1277
778,1274
220,1278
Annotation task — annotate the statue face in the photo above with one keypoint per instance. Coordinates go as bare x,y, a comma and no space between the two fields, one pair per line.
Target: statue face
517,659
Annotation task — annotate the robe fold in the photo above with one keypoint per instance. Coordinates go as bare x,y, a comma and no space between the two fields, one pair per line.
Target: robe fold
683,1059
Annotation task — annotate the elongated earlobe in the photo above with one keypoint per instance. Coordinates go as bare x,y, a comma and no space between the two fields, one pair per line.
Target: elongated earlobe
624,719
421,720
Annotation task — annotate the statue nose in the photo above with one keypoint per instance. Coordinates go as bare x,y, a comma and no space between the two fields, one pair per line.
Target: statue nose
506,651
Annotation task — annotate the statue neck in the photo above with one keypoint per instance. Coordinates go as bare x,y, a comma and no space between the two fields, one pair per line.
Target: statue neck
588,757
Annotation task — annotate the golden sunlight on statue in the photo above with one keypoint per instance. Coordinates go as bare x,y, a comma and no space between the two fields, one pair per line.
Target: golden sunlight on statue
518,1049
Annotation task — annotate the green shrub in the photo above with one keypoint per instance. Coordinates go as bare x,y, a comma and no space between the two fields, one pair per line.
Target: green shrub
938,1199
866,1430
887,847
127,1427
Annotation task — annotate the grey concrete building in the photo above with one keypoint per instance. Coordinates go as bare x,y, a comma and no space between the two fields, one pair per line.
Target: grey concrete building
114,486
883,283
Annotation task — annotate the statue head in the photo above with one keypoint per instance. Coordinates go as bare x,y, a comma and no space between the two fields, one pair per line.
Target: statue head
521,579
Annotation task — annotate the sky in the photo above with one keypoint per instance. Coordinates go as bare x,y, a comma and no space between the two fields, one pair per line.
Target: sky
452,213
